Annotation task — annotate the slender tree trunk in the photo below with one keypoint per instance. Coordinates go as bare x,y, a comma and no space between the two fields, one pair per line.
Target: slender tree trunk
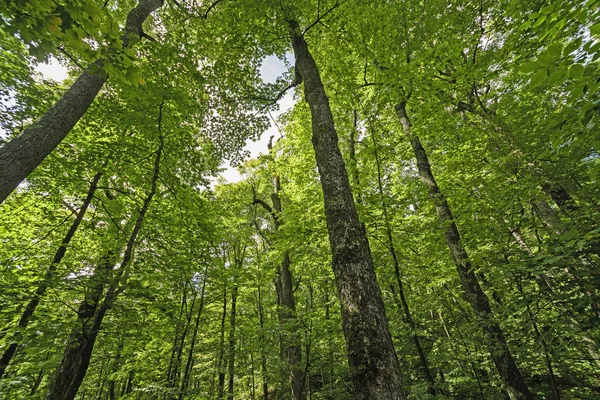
540,338
111,382
263,356
178,332
190,358
513,381
221,355
78,351
37,382
232,340
48,277
291,350
175,372
20,156
546,288
390,239
371,355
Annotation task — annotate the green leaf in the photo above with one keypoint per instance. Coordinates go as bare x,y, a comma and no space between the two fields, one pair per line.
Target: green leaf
576,71
540,21
529,66
595,29
538,78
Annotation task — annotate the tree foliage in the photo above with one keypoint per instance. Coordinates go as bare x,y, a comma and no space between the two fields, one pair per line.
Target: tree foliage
214,289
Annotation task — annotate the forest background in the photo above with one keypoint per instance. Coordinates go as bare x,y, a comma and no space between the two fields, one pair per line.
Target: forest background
422,222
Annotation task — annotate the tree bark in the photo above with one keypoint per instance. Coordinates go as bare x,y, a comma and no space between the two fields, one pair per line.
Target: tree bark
232,340
48,277
263,357
221,355
291,350
190,358
371,355
78,351
20,156
513,381
404,304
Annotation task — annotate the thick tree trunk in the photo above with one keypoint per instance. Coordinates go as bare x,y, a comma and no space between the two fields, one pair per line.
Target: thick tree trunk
371,355
404,304
78,351
48,277
513,381
232,340
20,156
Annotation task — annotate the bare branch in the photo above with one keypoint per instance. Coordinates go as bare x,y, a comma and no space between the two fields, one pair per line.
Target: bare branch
336,5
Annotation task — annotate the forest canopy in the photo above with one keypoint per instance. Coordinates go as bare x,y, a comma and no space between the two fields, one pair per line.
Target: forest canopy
424,223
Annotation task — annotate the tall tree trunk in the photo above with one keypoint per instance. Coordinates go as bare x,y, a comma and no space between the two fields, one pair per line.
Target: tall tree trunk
232,340
263,356
20,156
179,327
221,355
115,369
175,371
48,277
190,358
371,355
291,350
404,304
513,381
78,351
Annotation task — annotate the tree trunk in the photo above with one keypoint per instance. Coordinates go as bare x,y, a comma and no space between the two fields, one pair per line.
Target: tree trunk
232,339
78,351
178,332
263,356
221,355
190,358
291,350
48,277
20,156
371,354
115,369
404,304
513,381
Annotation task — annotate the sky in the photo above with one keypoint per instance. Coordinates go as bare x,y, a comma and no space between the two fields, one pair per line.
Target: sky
271,68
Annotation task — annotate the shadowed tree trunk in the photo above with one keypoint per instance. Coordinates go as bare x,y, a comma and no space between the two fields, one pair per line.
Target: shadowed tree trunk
48,277
78,351
403,303
20,156
232,340
291,350
513,381
221,354
263,356
371,355
189,364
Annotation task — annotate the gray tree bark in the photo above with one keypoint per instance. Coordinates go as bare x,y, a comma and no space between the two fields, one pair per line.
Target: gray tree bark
371,355
511,377
20,156
290,342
